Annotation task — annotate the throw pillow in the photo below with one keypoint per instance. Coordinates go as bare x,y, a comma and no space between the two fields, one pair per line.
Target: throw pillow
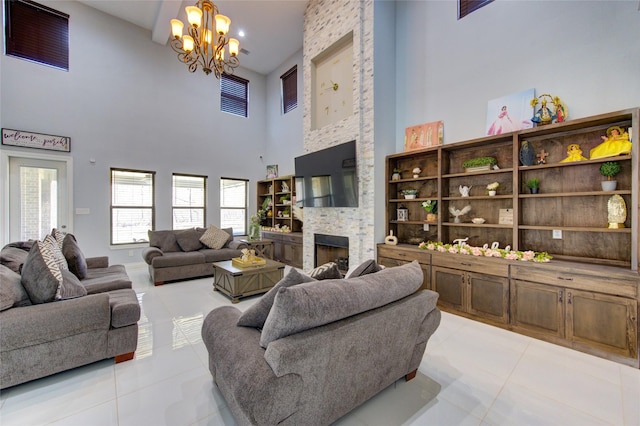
256,315
57,253
328,271
189,240
10,279
305,306
7,297
75,258
367,267
41,275
214,237
59,236
70,288
13,258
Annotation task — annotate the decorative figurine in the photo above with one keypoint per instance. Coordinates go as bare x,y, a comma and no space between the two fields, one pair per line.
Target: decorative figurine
285,187
457,213
464,190
527,154
574,153
617,212
542,157
391,239
615,143
546,115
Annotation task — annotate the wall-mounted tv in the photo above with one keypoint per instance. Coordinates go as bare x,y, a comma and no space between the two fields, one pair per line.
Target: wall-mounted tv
328,178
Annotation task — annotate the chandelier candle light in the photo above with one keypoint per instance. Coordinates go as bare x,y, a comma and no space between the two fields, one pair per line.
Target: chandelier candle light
206,40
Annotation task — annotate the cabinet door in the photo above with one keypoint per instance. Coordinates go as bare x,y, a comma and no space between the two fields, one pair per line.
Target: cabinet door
278,251
450,284
293,254
537,307
488,296
603,322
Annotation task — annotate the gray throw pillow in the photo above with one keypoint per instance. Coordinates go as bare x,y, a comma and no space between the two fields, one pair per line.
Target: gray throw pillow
328,271
75,259
13,258
7,297
58,236
257,314
367,267
11,280
189,240
41,275
164,240
305,306
215,237
70,288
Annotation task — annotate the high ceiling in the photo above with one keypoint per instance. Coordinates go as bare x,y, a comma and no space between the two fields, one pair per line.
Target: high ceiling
273,28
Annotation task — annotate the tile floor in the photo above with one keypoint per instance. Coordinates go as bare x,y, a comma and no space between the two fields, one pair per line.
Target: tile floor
471,374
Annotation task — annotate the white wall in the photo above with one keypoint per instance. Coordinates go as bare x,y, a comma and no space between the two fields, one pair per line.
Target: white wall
585,52
129,103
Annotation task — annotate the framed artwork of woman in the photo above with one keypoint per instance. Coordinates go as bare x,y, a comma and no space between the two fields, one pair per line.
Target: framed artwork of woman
509,113
423,135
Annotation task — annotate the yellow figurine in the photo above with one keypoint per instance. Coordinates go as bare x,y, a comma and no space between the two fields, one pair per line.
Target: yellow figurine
574,153
615,143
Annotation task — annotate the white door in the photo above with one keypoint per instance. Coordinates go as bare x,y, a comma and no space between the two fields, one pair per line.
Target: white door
38,198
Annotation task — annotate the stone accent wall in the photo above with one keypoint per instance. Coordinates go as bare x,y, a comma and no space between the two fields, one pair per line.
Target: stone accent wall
326,22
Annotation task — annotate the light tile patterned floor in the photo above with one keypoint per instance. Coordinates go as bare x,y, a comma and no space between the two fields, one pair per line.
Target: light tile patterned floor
471,374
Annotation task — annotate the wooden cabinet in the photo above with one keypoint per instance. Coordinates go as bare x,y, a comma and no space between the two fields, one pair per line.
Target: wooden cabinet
277,197
287,247
587,296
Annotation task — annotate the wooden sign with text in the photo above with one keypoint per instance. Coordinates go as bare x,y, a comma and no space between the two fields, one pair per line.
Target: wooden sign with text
35,140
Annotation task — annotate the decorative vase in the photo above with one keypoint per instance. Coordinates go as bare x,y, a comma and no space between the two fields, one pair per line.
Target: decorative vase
391,239
416,176
534,190
432,217
609,185
396,176
254,231
409,196
492,193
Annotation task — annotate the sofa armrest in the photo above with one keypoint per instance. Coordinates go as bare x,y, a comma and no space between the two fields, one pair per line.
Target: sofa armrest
97,262
237,245
37,324
148,253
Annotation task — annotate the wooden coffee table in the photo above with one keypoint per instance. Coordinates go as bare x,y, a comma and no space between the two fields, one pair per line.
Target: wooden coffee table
242,282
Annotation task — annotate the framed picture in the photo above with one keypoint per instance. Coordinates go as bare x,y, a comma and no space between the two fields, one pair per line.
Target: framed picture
423,135
510,113
272,171
35,140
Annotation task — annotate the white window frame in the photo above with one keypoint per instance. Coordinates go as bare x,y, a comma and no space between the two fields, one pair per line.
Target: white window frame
224,207
113,207
189,205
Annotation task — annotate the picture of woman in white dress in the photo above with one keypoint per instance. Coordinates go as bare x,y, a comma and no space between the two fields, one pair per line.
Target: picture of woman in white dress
502,124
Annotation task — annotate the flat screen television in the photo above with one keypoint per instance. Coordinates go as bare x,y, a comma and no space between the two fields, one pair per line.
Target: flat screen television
328,178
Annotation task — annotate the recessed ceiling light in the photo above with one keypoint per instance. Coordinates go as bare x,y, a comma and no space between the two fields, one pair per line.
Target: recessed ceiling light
241,33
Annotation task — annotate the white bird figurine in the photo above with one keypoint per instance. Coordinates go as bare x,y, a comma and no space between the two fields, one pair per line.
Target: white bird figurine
457,213
464,190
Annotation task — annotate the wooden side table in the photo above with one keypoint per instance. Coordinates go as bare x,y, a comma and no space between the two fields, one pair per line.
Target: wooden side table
261,247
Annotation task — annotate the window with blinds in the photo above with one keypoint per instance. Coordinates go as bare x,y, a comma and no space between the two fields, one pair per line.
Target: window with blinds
465,7
234,95
233,205
132,205
189,201
289,84
36,33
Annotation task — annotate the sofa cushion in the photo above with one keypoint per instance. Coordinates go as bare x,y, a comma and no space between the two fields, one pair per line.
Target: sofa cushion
164,240
304,306
177,259
101,280
189,240
57,252
41,275
70,288
214,237
327,271
13,258
125,309
211,255
256,315
75,257
11,280
367,267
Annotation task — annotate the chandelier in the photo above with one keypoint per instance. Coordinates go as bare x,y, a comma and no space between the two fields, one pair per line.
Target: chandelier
204,45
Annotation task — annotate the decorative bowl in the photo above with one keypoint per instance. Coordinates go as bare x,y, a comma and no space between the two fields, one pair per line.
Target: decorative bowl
477,220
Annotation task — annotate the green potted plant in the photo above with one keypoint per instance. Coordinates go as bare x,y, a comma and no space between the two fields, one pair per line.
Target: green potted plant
609,169
431,207
479,163
396,174
533,184
409,193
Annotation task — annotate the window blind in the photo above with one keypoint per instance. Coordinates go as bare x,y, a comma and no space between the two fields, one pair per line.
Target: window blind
234,95
189,201
290,89
465,7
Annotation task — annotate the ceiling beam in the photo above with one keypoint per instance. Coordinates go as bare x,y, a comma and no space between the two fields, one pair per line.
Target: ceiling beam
167,10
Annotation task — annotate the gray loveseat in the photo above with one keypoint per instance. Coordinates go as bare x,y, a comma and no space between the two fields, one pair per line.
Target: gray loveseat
179,254
325,346
39,338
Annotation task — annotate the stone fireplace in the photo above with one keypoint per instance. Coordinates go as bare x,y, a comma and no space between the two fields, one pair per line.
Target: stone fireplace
331,248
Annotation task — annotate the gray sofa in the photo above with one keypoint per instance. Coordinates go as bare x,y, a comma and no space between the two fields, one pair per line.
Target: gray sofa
179,254
324,348
39,338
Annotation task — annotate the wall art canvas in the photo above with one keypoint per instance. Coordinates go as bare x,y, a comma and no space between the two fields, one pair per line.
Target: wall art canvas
272,171
35,140
423,135
510,113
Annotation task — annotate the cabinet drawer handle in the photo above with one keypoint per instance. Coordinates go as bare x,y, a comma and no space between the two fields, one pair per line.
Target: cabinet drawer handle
569,297
566,278
465,264
560,296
